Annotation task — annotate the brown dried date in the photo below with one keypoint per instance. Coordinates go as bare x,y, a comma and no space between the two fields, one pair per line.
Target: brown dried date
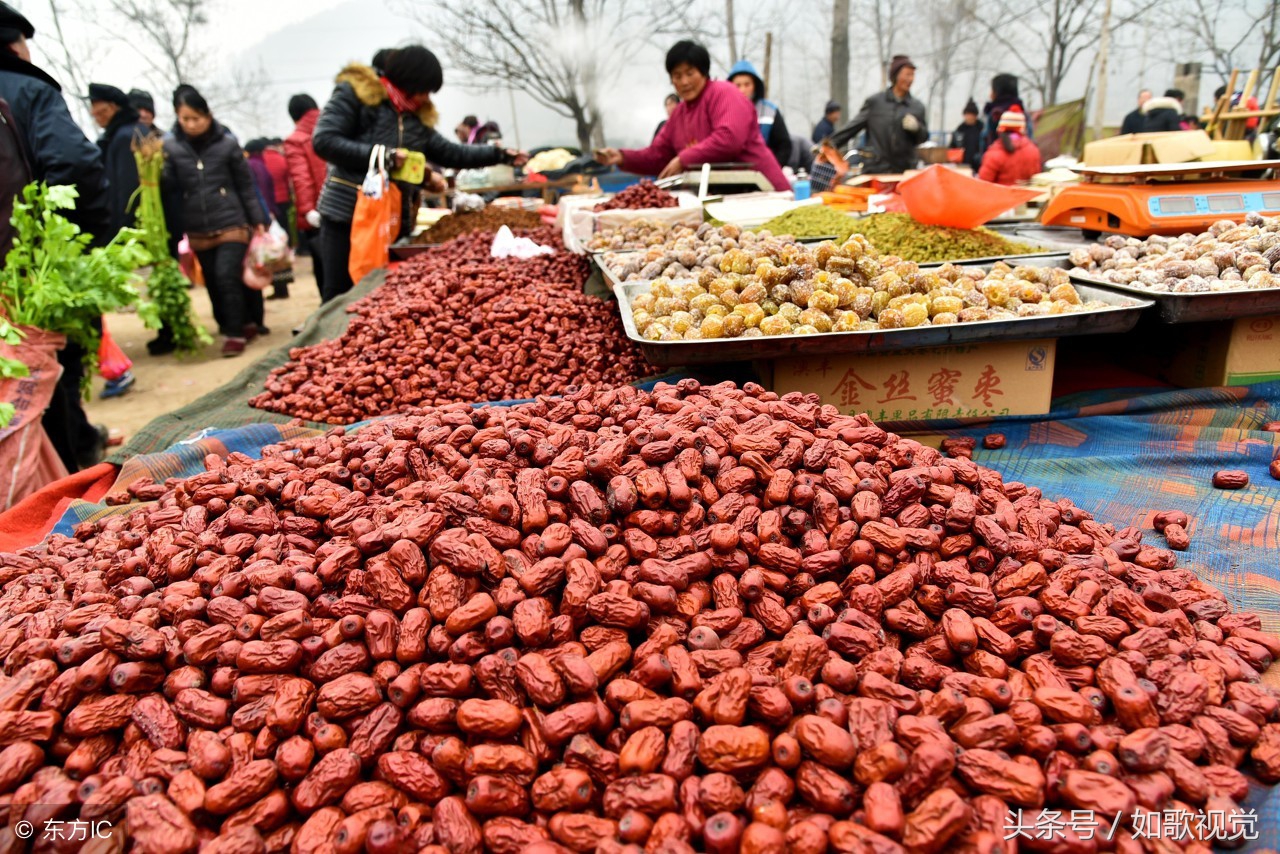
1230,479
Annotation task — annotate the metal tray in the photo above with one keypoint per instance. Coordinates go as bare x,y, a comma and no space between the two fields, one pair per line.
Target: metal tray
1039,259
1120,316
1049,236
1194,308
404,250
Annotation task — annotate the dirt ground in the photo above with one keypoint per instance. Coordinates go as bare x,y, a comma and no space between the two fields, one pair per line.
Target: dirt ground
166,383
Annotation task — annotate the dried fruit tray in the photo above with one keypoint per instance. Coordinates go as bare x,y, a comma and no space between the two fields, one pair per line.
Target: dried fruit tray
1193,308
1120,315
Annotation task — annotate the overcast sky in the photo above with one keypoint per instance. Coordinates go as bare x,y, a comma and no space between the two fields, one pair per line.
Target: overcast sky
302,44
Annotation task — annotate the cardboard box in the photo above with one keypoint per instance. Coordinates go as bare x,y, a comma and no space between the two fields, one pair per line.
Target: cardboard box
983,380
1137,148
1233,352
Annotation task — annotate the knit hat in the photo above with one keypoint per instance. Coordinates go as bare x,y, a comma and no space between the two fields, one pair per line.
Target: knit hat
108,93
971,108
1013,119
16,23
141,100
832,107
898,63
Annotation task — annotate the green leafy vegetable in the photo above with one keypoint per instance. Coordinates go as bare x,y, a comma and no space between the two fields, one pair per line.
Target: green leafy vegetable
52,280
10,369
166,286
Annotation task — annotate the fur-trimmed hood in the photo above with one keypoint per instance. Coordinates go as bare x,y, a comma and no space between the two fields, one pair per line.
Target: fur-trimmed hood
1162,103
364,81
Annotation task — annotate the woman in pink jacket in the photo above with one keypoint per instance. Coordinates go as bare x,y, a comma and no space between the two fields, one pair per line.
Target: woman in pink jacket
712,124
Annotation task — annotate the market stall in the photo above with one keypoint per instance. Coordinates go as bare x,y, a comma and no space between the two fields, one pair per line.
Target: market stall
527,597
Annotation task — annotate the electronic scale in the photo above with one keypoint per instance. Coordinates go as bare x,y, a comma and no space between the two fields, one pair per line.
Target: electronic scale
1163,198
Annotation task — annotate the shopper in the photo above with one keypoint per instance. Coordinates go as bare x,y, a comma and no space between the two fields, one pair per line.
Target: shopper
1014,159
145,106
263,181
968,137
1133,121
1004,94
395,111
712,124
53,149
894,122
828,123
120,130
306,177
220,210
1163,114
773,128
465,127
669,104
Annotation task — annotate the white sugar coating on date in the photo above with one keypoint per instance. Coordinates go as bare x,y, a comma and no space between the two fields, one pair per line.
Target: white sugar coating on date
693,618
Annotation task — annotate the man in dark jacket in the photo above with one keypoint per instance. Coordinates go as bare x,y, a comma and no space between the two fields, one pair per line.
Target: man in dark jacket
894,122
360,115
1134,121
57,152
120,129
827,124
1164,114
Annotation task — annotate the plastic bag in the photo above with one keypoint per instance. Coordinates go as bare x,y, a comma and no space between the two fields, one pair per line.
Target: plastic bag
254,276
270,251
942,196
112,361
507,245
376,220
28,460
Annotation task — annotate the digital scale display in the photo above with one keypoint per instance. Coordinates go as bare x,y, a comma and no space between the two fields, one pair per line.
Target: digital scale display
1178,205
1213,203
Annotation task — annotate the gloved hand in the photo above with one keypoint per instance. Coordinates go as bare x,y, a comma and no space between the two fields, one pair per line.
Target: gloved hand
313,218
910,123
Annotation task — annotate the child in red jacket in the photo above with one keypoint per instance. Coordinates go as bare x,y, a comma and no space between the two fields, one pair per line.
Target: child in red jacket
1013,158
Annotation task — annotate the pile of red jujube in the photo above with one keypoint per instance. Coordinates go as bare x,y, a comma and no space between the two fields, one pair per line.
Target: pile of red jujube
455,325
642,196
702,618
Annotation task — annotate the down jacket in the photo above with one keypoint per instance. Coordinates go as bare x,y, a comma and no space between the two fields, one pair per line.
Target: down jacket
306,169
212,178
360,116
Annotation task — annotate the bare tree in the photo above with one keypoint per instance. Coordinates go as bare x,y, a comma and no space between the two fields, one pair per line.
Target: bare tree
169,29
1045,38
883,16
66,65
562,53
840,53
955,46
733,38
1229,33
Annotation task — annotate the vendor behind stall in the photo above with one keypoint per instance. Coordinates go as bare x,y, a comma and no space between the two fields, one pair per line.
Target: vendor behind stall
712,124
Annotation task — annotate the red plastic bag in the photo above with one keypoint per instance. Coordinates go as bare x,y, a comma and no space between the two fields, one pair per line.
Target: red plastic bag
942,196
28,460
112,361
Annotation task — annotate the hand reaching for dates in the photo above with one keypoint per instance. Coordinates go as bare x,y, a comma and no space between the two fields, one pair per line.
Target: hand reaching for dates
675,167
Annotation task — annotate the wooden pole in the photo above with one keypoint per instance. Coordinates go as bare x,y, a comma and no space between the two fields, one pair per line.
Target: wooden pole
733,39
1104,44
768,55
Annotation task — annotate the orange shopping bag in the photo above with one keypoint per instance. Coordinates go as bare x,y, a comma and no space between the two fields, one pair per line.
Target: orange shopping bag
376,221
942,196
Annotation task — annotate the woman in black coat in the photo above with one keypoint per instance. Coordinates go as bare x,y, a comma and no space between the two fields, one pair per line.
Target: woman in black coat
206,167
391,109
